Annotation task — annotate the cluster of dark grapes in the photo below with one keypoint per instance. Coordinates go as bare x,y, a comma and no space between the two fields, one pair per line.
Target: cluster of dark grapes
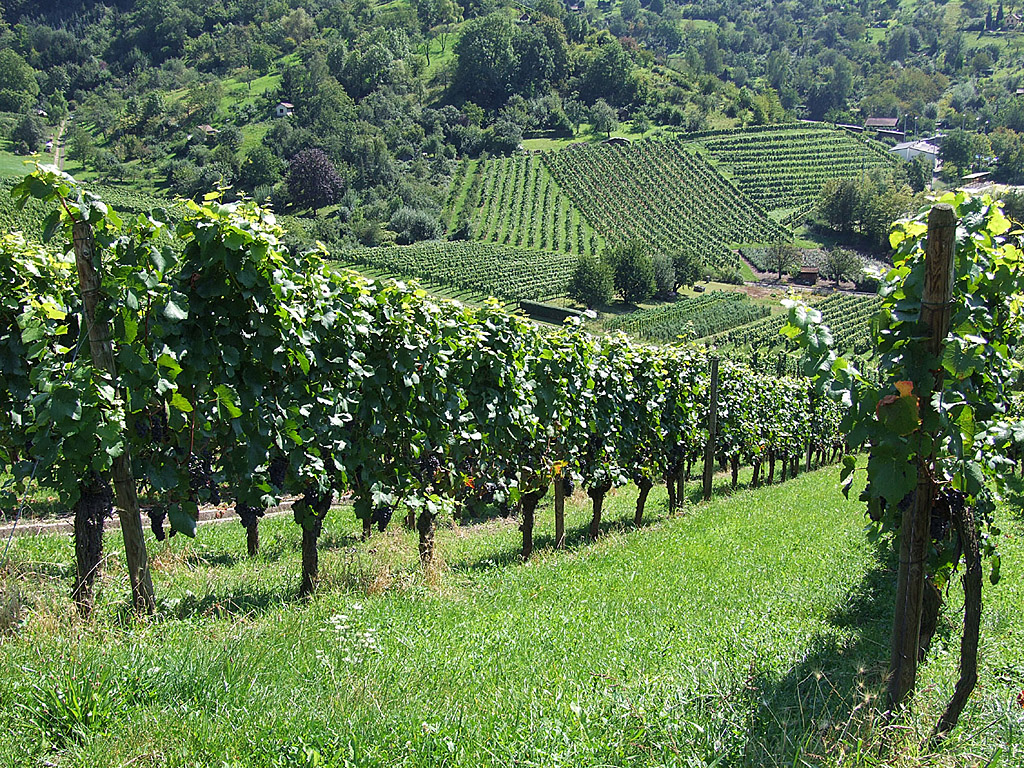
948,503
277,471
200,478
567,484
157,515
430,464
382,516
154,427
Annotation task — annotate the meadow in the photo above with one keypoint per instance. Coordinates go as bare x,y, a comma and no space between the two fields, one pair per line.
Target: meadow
750,630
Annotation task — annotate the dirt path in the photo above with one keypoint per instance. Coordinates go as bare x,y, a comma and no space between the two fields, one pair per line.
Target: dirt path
220,514
58,145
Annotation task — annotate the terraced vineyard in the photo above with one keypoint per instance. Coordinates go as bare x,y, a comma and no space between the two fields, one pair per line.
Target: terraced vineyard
29,220
495,270
662,193
692,318
784,167
515,201
847,315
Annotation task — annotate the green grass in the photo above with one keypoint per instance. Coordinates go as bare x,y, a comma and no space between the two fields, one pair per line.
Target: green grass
749,631
14,165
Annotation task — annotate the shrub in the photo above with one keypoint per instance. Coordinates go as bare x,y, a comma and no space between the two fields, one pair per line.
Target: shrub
664,274
411,225
634,271
591,283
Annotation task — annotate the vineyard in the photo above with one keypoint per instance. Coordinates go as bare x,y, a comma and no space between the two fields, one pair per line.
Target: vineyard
786,167
848,316
29,220
508,273
229,367
663,194
690,319
515,201
344,384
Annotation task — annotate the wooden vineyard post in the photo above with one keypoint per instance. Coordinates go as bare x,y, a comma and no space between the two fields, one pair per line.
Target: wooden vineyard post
709,453
102,350
915,530
559,510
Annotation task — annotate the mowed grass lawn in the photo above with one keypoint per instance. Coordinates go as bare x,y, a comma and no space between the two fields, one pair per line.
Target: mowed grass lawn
752,630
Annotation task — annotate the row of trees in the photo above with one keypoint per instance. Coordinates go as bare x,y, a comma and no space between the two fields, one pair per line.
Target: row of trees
630,271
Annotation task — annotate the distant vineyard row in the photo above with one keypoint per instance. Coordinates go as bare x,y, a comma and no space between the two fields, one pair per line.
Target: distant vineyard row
663,194
848,316
787,168
508,273
688,319
515,201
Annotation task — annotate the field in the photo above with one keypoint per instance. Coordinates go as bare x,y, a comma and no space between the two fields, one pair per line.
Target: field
606,654
515,201
495,270
660,192
848,317
784,167
690,319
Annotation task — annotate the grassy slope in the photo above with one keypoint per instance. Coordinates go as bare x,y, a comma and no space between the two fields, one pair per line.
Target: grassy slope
745,632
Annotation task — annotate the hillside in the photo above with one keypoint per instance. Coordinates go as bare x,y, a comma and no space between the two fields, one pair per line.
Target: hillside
605,654
661,193
491,270
516,201
785,167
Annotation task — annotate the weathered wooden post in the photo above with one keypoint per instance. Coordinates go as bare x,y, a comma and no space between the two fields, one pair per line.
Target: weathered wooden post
102,350
709,453
560,509
915,530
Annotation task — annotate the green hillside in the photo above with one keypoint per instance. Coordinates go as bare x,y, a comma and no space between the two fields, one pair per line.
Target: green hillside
662,193
516,201
495,270
603,655
784,167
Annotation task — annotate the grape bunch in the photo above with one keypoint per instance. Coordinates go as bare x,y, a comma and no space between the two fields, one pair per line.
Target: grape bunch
567,484
277,471
157,427
430,465
200,478
157,515
382,516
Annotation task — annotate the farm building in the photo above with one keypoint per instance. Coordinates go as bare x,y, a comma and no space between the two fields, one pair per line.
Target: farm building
881,123
911,149
806,276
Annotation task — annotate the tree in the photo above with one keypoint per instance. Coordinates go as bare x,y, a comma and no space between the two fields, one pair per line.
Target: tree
919,172
781,257
28,134
634,271
412,225
591,283
664,274
839,204
840,264
687,267
603,118
260,168
313,181
957,149
576,112
81,146
485,59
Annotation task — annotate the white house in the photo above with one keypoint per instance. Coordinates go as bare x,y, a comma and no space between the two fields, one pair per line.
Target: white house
284,109
911,149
